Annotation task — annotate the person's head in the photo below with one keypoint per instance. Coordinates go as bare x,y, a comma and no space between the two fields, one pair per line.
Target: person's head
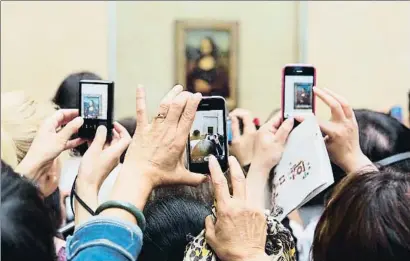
196,133
67,94
27,231
130,124
170,222
21,117
367,218
208,47
382,136
204,148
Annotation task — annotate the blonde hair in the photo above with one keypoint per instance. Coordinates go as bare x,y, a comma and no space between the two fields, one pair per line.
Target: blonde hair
21,117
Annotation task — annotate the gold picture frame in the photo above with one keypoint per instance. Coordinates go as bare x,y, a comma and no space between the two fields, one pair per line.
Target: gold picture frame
207,57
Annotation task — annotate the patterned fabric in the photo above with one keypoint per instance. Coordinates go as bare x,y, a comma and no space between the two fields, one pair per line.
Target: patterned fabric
279,244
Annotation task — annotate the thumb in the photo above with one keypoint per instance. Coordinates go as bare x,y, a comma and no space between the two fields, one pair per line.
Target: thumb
99,139
284,130
192,179
210,231
71,128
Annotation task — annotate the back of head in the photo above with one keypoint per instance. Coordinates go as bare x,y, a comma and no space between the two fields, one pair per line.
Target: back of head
26,228
21,117
367,218
67,94
382,136
170,221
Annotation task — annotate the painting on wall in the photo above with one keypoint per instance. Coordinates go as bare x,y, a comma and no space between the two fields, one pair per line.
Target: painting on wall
206,58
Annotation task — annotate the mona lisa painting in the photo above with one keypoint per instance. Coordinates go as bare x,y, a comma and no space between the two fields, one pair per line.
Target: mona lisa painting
206,58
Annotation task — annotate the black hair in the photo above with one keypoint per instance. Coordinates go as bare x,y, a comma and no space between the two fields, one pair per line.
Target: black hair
67,96
27,231
171,222
53,203
130,124
196,133
381,135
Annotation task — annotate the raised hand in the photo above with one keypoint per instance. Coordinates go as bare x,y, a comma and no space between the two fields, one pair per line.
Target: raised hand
240,229
342,133
99,160
154,157
268,149
51,140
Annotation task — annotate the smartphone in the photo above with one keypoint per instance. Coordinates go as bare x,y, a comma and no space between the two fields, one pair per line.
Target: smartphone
298,98
208,135
96,107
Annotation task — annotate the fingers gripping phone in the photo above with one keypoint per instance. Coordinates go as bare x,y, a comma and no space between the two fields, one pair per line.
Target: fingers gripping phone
298,98
96,107
208,135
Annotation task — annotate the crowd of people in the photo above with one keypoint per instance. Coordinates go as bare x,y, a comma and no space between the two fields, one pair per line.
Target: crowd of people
134,199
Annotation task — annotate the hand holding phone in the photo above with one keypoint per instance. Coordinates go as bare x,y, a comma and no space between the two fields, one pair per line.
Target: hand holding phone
208,135
298,98
96,107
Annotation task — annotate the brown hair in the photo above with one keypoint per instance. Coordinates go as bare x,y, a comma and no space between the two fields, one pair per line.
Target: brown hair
367,218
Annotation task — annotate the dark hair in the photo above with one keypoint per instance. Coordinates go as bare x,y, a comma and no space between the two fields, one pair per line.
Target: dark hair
53,203
130,124
367,218
196,133
27,231
67,96
170,222
381,135
214,52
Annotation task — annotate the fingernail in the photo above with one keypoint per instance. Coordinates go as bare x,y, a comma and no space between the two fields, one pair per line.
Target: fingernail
198,95
101,129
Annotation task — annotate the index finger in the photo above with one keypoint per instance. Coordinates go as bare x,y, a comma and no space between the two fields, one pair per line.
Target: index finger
246,117
62,117
334,105
219,182
347,109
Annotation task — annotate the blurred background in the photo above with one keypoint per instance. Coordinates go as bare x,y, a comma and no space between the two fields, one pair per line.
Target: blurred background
360,49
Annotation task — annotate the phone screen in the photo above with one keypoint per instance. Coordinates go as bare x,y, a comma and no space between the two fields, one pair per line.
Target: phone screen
298,91
208,136
96,103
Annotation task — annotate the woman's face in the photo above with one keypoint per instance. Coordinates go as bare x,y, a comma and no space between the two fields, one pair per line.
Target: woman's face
206,46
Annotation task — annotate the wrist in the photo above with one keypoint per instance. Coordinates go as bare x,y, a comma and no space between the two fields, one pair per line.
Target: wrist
357,162
132,186
29,168
259,256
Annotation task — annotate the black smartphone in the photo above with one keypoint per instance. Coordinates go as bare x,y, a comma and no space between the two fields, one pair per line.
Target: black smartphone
208,135
96,107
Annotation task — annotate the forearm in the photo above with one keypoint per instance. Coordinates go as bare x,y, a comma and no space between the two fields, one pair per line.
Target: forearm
257,181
